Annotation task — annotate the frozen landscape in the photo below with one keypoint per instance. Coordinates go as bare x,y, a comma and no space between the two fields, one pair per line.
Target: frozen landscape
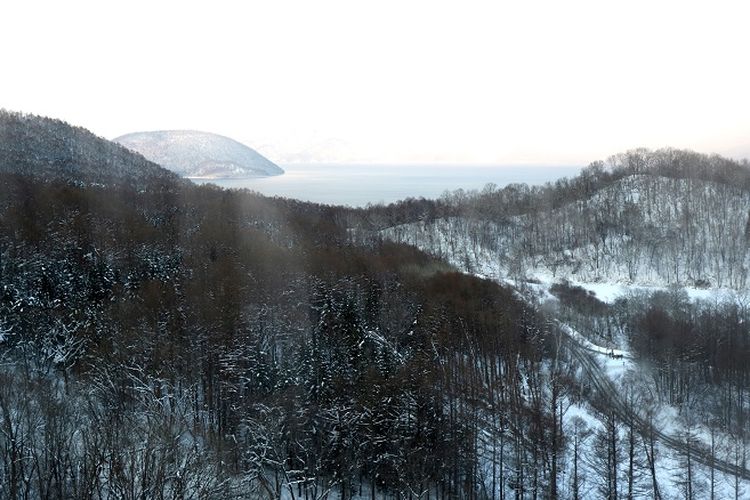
582,338
381,250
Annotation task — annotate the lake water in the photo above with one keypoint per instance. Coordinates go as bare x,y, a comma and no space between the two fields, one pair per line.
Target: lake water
358,185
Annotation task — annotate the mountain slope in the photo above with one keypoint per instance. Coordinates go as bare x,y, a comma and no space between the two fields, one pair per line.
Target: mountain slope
199,154
644,228
54,150
182,327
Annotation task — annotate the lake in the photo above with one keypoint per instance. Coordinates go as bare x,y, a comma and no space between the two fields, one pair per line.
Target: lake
358,185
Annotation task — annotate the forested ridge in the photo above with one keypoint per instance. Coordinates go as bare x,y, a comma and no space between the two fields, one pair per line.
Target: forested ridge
498,203
51,149
666,217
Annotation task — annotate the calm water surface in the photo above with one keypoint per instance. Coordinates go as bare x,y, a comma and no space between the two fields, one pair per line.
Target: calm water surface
358,185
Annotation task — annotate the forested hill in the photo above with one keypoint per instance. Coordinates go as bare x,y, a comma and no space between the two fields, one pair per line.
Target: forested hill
186,341
668,163
50,149
662,217
494,203
199,154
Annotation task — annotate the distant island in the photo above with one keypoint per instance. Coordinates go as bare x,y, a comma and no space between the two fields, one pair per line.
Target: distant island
199,155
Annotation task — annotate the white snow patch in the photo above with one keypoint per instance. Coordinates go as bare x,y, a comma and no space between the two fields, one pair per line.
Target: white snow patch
617,354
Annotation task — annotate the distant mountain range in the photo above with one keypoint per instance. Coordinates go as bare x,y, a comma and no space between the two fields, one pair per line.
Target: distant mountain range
199,154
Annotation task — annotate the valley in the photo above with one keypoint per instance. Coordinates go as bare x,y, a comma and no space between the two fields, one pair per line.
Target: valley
584,338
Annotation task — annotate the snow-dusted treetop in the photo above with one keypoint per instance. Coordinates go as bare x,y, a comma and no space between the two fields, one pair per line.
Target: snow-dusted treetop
199,154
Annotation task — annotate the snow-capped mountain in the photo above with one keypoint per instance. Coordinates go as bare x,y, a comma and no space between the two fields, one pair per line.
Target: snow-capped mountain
199,154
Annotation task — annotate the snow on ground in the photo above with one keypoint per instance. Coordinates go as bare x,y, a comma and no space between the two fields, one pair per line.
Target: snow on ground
617,364
670,468
609,292
587,344
454,245
580,411
616,368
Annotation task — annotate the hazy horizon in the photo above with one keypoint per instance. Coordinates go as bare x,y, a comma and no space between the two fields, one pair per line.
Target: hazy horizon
362,184
392,82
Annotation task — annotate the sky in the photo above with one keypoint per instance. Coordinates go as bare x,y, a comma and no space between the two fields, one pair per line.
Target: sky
404,81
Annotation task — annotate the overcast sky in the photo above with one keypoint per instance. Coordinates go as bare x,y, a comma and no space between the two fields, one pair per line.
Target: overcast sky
563,82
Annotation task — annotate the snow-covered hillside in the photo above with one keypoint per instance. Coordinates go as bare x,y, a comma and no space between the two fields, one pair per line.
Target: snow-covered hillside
628,238
642,229
199,154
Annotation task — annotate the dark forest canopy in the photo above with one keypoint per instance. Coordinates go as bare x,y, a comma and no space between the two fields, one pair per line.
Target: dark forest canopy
227,339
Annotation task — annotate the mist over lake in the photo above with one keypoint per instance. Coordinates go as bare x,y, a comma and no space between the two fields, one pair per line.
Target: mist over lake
358,185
